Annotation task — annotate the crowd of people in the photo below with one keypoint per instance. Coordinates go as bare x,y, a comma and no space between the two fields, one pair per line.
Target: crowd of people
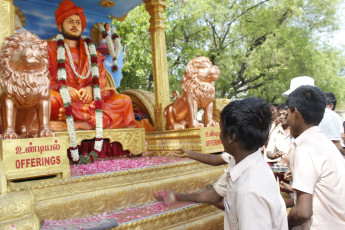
303,134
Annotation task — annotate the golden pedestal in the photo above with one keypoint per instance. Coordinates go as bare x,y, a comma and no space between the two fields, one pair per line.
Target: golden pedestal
203,140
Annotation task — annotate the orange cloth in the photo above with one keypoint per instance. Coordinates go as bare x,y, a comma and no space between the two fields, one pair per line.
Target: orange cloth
67,8
144,123
117,108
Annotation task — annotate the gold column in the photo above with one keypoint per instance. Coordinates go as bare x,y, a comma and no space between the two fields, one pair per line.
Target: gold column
6,19
159,60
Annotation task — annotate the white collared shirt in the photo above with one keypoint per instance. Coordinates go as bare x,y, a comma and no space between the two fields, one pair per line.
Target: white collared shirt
318,168
330,125
253,197
222,183
279,141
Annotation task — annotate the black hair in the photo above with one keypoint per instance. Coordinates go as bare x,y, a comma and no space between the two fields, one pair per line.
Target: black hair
310,101
249,120
330,99
274,104
283,106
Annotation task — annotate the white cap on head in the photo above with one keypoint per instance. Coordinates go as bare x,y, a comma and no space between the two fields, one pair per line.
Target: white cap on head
297,82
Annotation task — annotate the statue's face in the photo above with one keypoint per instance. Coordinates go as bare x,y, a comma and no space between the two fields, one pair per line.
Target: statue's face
27,56
107,26
72,27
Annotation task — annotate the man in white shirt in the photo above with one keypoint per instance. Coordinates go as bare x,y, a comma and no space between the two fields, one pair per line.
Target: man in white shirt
329,124
318,168
280,139
253,200
332,124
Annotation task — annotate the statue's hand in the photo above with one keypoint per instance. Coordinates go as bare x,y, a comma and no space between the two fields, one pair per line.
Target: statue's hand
74,93
86,94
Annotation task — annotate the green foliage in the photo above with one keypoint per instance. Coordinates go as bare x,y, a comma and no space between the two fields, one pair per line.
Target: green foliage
259,46
135,39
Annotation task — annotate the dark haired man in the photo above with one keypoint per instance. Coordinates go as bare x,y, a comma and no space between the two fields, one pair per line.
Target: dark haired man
280,139
318,168
252,198
252,193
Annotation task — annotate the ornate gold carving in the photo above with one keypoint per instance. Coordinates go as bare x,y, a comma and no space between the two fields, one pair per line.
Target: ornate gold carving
120,19
17,211
198,216
131,139
218,106
6,19
107,3
204,140
143,100
159,60
90,195
3,181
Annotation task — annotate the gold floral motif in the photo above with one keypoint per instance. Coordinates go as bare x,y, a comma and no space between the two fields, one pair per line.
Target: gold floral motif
17,209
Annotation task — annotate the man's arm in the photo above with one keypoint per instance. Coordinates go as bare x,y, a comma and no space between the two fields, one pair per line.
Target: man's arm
302,211
208,195
210,159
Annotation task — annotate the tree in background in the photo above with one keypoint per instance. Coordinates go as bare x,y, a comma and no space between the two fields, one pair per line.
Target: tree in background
259,46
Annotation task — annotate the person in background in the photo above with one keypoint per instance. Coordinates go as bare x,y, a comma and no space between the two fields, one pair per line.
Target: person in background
280,139
318,168
329,124
331,102
275,117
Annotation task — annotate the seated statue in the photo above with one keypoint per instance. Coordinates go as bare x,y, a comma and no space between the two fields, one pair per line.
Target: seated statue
76,71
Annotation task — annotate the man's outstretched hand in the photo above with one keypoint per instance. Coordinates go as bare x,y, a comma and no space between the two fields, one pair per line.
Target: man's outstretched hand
183,152
168,197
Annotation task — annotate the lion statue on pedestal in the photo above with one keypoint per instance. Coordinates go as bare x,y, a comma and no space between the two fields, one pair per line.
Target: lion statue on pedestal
24,78
198,91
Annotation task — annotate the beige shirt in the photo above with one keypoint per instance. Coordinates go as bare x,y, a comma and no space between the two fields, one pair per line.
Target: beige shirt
253,197
279,141
222,183
318,168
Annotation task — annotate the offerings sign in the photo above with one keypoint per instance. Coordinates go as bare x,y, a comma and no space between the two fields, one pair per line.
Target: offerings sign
34,157
211,140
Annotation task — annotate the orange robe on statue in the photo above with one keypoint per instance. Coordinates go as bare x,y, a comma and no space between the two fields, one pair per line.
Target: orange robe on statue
117,108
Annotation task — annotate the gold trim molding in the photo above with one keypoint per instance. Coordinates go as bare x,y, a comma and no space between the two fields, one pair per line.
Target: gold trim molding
6,19
204,140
